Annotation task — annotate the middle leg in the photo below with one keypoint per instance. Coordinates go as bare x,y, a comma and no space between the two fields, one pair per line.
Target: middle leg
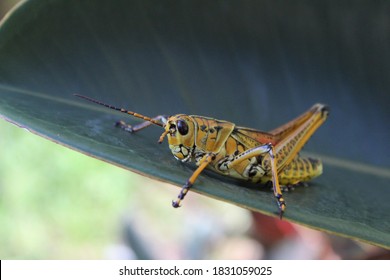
259,151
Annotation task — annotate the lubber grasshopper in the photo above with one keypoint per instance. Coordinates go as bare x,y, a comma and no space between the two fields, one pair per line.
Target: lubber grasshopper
236,151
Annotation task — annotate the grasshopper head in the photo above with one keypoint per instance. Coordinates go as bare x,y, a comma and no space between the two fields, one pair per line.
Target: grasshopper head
180,133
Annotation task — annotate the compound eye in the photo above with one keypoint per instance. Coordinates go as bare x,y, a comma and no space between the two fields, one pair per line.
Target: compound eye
182,127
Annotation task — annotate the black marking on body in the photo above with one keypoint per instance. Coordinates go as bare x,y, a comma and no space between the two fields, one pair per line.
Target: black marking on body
218,128
259,159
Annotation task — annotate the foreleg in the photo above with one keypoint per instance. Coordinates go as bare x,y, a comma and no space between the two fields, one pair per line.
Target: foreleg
202,165
135,128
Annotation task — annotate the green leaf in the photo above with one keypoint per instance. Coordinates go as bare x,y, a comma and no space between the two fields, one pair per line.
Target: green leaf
257,64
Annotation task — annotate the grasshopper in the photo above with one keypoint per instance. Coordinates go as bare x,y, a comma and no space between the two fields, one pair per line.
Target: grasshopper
235,151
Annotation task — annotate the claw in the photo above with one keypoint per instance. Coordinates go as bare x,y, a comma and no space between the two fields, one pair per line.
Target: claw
282,207
124,126
288,187
118,123
281,214
175,204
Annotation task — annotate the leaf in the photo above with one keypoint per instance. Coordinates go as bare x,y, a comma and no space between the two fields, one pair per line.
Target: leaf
257,64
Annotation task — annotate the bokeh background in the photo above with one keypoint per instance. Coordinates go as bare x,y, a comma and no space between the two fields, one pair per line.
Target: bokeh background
56,203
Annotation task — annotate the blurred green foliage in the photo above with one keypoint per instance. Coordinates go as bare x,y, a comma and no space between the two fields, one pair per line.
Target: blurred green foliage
51,199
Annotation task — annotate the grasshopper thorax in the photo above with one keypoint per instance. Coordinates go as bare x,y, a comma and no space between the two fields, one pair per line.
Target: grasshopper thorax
180,133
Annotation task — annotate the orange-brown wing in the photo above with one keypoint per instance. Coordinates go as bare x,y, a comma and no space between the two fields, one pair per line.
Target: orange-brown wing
292,126
287,139
282,132
250,137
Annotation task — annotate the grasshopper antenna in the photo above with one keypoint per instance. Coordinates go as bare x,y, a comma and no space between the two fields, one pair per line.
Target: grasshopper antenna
120,109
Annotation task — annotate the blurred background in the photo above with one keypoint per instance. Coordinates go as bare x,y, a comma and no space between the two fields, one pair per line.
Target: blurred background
56,203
